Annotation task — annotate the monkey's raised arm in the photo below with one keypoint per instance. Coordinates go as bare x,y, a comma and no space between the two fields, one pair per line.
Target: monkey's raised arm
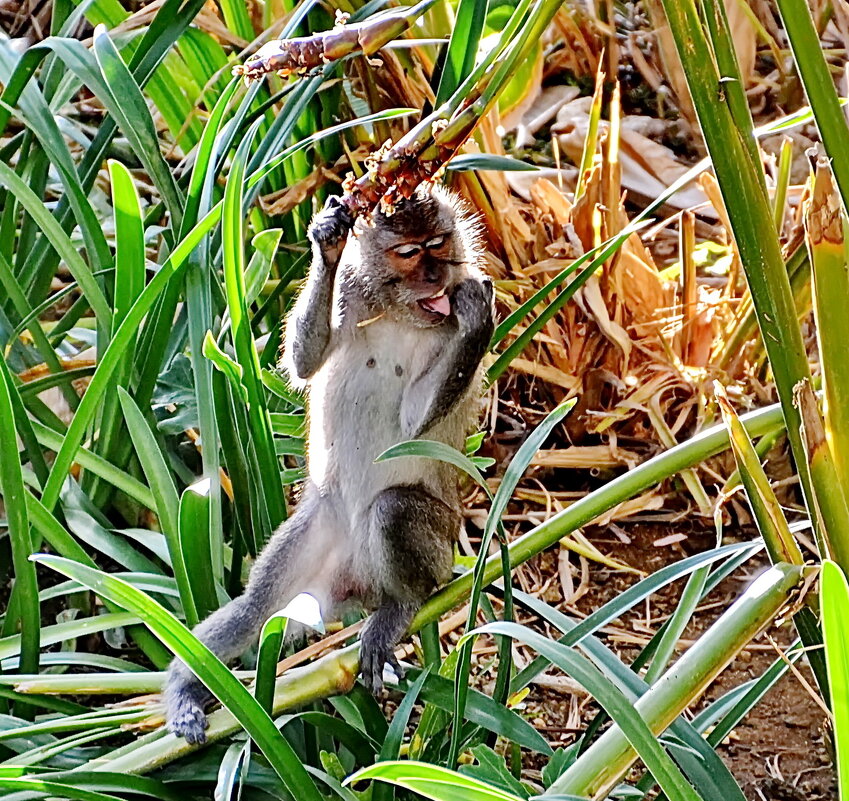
308,326
431,395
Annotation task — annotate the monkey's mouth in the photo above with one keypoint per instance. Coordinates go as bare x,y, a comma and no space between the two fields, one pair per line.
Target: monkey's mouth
438,305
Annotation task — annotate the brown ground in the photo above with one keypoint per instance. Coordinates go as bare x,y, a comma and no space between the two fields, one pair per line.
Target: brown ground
778,753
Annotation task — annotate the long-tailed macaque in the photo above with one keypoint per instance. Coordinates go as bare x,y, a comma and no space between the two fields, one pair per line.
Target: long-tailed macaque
387,337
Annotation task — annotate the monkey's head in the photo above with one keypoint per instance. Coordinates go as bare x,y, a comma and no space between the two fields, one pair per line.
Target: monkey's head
409,262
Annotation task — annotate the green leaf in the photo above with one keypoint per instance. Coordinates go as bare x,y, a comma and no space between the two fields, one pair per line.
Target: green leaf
204,664
477,162
231,369
57,789
129,109
492,769
483,711
233,253
462,48
515,471
17,523
270,642
432,781
60,242
391,748
196,549
50,635
111,358
264,245
164,493
614,702
834,597
430,449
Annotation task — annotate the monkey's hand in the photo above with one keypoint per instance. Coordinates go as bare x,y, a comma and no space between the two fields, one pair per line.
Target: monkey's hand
472,303
329,230
435,392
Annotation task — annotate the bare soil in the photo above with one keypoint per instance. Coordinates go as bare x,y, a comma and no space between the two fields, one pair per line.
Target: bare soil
780,752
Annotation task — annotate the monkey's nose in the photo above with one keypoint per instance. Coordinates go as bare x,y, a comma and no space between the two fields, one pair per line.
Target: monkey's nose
432,274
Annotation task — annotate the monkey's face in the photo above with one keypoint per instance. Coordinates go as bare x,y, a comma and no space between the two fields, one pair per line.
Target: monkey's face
408,263
423,271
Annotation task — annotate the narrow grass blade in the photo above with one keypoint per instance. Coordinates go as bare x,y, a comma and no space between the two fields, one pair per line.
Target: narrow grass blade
60,241
515,470
165,495
58,789
771,522
819,87
430,449
234,280
194,548
834,598
130,111
462,48
111,358
605,763
128,282
270,642
17,523
119,479
59,632
701,764
391,747
432,781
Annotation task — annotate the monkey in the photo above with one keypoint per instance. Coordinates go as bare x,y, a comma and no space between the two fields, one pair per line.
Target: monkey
387,339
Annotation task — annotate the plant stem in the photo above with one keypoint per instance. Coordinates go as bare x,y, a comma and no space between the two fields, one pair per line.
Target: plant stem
604,764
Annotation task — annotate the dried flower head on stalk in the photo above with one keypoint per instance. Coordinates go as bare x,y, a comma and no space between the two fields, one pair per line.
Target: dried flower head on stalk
394,171
300,55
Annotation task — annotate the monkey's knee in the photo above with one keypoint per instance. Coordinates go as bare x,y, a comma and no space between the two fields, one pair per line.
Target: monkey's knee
416,533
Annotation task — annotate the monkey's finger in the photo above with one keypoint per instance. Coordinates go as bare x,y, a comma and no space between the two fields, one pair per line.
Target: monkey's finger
397,669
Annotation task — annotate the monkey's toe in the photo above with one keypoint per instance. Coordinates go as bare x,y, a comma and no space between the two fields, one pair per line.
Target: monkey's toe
371,669
372,663
189,721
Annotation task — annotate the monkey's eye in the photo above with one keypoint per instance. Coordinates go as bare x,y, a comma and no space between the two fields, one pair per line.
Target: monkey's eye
407,251
435,242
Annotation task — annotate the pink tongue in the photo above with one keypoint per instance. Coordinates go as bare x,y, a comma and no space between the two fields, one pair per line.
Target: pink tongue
440,305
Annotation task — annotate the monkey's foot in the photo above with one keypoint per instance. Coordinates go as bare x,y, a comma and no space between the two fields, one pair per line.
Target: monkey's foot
372,659
332,224
187,719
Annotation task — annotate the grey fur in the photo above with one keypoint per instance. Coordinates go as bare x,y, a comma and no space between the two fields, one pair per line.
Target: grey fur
378,371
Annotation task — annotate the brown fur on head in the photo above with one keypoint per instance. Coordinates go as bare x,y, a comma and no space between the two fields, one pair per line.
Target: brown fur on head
406,261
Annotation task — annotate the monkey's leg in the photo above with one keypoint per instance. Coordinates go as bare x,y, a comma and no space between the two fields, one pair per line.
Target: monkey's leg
277,576
411,536
308,328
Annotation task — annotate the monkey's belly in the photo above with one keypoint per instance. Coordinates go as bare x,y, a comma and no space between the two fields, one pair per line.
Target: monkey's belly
355,405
